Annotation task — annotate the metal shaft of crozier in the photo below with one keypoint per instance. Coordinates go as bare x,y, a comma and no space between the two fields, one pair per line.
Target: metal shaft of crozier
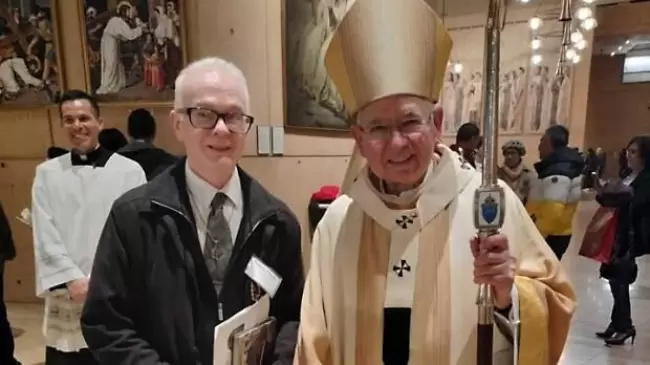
489,198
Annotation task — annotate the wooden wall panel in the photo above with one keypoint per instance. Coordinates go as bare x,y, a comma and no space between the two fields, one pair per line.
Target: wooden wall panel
15,189
616,112
24,133
623,19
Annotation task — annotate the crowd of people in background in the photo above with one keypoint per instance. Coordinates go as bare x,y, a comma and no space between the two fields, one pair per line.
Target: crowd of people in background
552,189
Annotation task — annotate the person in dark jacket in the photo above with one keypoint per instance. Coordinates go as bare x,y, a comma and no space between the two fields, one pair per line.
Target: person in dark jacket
555,193
172,260
631,198
112,139
7,252
468,140
142,132
590,172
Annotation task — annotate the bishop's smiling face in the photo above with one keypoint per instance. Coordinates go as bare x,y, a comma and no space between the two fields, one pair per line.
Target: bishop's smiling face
397,136
81,124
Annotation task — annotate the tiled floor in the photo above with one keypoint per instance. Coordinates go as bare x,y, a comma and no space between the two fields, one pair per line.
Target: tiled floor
582,348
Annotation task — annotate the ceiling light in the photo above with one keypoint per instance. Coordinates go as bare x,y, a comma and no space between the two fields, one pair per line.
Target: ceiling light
588,1
576,58
570,53
581,44
620,48
458,68
536,44
589,24
536,59
627,41
584,13
613,54
535,23
524,1
576,36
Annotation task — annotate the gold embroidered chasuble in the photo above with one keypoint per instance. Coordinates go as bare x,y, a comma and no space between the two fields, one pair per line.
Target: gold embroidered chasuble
357,253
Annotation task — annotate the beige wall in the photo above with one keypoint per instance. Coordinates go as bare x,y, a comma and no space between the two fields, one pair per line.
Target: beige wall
247,32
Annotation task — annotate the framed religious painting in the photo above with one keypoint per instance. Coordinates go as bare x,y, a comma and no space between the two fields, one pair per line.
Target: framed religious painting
310,96
134,49
31,73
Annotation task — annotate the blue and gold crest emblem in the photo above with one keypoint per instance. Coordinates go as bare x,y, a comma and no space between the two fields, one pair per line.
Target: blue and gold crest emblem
489,209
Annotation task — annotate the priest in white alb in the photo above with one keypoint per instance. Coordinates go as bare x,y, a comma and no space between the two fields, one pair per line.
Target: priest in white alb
394,262
71,197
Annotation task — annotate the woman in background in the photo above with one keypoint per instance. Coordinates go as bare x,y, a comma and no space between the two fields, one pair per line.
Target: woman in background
631,198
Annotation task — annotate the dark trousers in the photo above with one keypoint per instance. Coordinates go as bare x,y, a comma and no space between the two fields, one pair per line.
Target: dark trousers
6,337
621,311
558,244
55,357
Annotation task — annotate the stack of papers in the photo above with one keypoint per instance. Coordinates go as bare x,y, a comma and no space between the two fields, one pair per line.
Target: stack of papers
245,319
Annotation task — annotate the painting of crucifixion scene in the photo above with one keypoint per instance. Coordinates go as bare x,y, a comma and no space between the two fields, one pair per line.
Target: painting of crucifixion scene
312,100
29,63
134,48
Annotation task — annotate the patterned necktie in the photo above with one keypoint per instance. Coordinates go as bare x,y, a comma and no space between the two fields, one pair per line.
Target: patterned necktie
218,242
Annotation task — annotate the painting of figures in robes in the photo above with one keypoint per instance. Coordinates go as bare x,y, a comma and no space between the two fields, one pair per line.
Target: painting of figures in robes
134,48
311,98
29,56
462,91
548,98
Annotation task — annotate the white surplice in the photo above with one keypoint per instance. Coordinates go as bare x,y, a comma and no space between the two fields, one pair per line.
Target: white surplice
331,313
70,205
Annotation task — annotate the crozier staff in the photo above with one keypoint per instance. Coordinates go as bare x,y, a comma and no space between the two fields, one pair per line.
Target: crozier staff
390,279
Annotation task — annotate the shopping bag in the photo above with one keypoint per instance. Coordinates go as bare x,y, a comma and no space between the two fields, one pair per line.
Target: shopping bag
600,235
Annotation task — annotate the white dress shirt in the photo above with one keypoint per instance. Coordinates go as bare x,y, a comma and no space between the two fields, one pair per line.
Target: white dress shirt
201,194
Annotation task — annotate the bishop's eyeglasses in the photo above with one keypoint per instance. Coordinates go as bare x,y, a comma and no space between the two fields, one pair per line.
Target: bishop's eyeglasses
404,127
204,118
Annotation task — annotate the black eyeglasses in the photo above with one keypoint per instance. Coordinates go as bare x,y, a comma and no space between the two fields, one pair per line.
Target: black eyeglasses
205,118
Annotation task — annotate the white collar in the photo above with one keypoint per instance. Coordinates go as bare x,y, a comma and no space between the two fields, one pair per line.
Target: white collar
442,185
202,193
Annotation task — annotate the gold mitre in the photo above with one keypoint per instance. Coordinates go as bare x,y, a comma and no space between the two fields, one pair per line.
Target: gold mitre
388,47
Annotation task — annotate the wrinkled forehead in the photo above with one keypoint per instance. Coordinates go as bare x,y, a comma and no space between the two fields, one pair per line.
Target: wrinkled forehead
394,109
213,90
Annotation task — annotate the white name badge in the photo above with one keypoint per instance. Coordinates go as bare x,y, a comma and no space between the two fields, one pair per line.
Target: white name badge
263,276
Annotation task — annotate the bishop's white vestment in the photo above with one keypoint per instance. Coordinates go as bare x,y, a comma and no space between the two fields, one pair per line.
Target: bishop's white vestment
369,262
70,204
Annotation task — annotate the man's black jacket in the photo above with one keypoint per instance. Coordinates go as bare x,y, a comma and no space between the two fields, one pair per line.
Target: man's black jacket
7,248
151,299
152,159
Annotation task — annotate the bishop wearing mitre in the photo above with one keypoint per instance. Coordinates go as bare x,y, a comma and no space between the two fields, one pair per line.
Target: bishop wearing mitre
395,262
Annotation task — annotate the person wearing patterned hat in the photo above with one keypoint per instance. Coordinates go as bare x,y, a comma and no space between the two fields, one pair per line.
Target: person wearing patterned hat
394,261
513,171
